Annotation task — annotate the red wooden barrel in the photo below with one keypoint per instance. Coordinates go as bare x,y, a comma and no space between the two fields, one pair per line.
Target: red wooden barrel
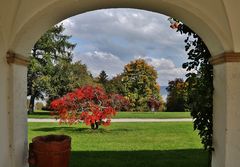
50,151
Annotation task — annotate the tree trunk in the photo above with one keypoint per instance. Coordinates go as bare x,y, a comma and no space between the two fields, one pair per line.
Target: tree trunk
31,104
94,125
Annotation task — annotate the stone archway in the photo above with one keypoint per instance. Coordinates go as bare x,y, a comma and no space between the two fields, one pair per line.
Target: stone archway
39,21
23,21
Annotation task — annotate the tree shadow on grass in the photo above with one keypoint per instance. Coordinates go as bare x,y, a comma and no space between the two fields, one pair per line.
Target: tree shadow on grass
80,130
59,128
162,158
47,113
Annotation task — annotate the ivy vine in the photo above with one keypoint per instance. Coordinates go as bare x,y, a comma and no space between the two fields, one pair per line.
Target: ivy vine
200,81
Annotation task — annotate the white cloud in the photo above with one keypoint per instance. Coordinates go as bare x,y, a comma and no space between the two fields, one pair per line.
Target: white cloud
160,63
108,39
97,61
137,30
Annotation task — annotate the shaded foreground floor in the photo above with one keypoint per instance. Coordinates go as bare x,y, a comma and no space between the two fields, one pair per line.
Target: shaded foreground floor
168,158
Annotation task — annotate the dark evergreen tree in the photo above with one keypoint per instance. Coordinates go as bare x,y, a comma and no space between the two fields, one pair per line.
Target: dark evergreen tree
103,77
52,47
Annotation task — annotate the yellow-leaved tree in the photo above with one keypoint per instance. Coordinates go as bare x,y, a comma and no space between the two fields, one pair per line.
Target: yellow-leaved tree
140,86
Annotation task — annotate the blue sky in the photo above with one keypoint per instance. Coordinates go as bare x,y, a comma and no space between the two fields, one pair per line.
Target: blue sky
108,39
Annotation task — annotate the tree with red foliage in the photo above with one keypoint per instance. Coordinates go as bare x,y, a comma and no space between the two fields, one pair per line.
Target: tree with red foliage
88,104
154,104
119,102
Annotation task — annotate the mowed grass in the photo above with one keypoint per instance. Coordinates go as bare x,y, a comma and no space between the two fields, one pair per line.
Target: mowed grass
158,115
130,144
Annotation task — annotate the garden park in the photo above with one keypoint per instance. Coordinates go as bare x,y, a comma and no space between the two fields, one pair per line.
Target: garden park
86,107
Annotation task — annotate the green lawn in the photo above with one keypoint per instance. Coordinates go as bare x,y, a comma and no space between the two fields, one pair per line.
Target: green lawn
130,144
46,114
40,114
153,115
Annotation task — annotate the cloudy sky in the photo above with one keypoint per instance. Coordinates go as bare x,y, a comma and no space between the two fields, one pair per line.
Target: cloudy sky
109,39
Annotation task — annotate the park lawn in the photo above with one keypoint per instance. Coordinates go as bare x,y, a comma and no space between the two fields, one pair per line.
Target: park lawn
130,144
158,115
40,114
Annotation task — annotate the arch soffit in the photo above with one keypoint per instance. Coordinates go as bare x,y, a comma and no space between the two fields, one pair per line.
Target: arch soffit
39,22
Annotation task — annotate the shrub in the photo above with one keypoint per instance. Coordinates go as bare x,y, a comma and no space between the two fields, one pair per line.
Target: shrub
119,102
39,106
154,104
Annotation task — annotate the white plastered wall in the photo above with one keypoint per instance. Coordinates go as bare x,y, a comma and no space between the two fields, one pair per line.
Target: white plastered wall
13,115
4,122
226,115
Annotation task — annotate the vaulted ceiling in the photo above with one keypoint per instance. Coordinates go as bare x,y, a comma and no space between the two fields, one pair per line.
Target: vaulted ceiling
22,22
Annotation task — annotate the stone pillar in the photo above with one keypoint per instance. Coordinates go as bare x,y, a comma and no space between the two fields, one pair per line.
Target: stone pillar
13,117
4,128
226,110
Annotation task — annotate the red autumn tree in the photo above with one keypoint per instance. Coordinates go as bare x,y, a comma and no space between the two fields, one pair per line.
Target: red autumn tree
88,104
154,104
